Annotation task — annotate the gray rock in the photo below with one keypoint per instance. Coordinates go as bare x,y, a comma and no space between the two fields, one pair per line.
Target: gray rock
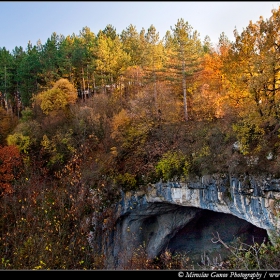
183,216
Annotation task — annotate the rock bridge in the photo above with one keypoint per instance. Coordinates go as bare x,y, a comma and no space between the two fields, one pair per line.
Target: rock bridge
183,216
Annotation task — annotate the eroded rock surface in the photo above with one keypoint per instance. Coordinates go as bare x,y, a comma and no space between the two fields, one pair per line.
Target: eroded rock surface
182,217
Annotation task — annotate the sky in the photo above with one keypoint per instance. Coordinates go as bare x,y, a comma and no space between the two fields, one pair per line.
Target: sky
24,21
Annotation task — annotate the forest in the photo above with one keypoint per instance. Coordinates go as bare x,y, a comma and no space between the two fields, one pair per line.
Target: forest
85,117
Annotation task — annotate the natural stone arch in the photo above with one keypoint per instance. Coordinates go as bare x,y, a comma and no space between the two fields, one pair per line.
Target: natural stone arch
162,226
156,215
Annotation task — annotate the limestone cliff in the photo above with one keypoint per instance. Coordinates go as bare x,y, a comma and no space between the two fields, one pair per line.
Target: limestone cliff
182,216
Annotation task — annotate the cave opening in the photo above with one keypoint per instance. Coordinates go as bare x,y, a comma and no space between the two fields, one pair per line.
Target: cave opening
195,238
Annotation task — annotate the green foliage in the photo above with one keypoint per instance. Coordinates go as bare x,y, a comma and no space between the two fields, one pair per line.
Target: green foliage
249,136
27,115
26,136
111,60
29,74
172,164
59,148
126,181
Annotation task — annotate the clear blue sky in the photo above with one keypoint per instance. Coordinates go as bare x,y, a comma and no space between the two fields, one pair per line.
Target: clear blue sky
23,21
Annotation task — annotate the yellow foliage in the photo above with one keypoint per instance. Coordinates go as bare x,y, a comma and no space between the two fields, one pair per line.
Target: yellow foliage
52,100
46,143
20,141
120,122
68,89
59,97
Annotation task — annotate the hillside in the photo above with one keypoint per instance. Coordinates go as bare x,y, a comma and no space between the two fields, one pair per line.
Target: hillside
86,117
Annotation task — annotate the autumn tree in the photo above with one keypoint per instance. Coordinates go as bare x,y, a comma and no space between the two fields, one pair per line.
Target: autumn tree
111,60
10,168
253,70
61,95
210,95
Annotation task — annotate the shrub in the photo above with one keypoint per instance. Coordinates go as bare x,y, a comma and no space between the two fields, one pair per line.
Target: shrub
172,164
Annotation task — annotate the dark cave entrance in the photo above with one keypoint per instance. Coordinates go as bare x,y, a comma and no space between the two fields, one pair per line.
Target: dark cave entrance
194,239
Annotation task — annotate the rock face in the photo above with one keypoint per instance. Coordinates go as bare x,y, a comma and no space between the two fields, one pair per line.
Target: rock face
183,217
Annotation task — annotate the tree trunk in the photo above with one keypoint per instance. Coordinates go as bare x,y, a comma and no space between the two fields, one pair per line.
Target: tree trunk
184,90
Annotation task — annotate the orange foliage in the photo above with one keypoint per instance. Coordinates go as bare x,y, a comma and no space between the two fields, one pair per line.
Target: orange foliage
207,99
10,163
212,87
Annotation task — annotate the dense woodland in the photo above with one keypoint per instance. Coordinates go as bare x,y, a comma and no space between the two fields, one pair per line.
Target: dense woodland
85,117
